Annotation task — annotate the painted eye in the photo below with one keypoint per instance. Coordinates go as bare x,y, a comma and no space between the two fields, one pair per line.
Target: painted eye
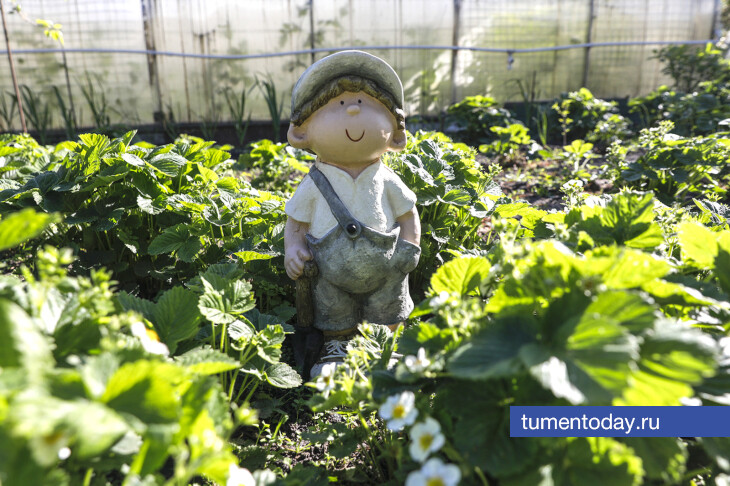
342,102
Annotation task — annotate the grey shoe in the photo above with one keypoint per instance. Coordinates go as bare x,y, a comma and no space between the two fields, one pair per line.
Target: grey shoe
334,351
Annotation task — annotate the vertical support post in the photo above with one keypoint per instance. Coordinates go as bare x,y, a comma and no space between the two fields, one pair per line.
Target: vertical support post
589,39
715,28
455,51
71,105
148,13
184,63
312,44
12,70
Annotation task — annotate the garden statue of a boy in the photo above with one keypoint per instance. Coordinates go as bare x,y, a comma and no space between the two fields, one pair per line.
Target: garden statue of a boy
351,214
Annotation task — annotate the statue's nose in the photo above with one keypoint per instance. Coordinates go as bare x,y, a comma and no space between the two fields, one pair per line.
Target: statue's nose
353,110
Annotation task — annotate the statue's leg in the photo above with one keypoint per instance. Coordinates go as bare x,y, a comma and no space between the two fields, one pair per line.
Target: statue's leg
391,304
337,314
334,309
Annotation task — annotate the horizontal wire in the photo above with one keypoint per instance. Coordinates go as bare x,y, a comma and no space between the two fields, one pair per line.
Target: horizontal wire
371,48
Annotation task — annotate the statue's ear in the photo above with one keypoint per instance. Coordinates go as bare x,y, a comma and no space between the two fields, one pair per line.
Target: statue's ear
398,140
297,136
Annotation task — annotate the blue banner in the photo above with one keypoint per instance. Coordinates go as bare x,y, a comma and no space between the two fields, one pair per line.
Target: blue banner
578,421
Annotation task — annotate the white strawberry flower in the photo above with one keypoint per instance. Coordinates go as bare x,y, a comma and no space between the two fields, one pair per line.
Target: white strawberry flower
239,476
326,379
426,438
418,363
399,411
435,473
149,338
49,448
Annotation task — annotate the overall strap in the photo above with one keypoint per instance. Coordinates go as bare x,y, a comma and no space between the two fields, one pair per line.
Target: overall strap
350,225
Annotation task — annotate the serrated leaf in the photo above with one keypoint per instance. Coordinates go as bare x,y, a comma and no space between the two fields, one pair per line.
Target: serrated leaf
169,240
247,256
207,361
456,197
189,249
22,343
176,316
493,352
130,302
132,159
95,427
699,244
238,330
149,206
281,375
145,389
168,163
225,304
23,225
461,276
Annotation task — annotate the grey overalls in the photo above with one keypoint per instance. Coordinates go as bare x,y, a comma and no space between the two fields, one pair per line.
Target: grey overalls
363,273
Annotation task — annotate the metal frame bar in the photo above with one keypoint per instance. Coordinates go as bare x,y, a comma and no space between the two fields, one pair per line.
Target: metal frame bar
370,48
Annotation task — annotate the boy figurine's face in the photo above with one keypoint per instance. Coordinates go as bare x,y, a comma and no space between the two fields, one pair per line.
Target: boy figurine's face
352,129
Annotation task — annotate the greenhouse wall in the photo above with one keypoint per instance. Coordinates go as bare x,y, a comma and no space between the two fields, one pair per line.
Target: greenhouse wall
169,64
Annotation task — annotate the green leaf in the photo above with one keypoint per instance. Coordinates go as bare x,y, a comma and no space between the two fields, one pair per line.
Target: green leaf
172,239
225,305
718,448
493,352
132,159
598,461
22,226
95,428
168,163
189,249
130,302
240,330
207,361
722,269
663,458
699,244
588,359
623,309
281,375
678,352
247,256
145,389
481,428
630,268
23,345
628,219
456,197
461,276
97,371
176,316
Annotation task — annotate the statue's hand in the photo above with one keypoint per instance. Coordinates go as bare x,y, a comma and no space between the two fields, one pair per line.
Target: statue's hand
294,259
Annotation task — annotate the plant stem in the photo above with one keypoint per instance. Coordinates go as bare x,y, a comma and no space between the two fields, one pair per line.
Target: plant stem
87,477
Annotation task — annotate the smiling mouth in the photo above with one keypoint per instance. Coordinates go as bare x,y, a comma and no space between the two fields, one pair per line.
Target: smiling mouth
353,139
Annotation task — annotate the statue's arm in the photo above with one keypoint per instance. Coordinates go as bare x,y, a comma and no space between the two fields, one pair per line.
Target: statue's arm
410,226
295,247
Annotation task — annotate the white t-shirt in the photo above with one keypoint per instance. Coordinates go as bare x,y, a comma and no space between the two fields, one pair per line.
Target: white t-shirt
375,198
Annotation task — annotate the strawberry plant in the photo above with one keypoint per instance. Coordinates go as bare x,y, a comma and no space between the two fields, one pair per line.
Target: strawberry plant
275,166
86,391
583,116
674,167
155,216
454,196
472,118
535,323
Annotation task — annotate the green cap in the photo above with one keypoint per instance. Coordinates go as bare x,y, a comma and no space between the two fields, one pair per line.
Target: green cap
341,64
